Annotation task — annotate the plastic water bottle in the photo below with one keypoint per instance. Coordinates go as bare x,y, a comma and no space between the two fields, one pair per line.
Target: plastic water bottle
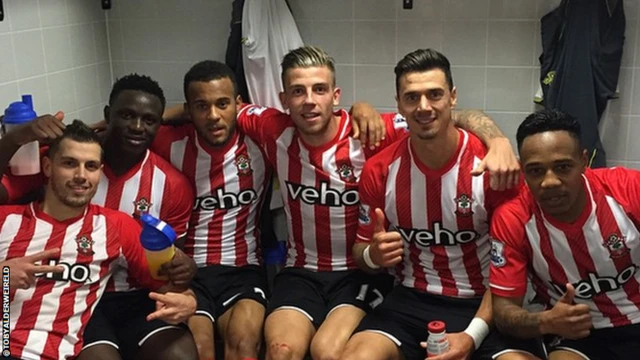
437,342
26,161
157,239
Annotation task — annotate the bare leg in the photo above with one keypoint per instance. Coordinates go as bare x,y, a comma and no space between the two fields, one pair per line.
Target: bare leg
288,334
241,329
335,331
202,330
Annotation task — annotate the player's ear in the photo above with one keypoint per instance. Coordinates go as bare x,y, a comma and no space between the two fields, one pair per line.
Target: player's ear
239,102
105,112
46,165
283,100
584,160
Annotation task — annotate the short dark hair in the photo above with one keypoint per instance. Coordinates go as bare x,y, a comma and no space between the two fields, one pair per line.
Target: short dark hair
139,83
206,71
548,120
76,131
423,60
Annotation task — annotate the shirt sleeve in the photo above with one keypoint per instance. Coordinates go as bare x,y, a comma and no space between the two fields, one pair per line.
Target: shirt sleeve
494,198
395,129
177,211
133,253
259,122
371,191
510,255
18,187
624,184
165,136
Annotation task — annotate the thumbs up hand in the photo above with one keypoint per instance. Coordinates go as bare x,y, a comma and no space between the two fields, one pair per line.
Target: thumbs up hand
567,319
386,247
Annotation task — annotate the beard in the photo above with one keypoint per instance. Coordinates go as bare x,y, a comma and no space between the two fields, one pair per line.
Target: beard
66,196
217,142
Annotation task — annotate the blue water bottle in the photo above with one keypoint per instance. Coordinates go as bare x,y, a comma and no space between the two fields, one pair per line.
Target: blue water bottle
26,161
157,239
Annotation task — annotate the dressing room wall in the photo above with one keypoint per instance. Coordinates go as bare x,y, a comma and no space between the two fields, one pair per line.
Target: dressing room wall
57,51
68,52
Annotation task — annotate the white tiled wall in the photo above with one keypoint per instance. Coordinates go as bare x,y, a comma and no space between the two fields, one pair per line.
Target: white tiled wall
163,38
620,128
56,50
60,52
493,46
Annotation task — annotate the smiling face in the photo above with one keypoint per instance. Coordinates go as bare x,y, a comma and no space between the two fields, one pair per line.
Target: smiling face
133,119
74,172
212,107
425,100
310,95
553,164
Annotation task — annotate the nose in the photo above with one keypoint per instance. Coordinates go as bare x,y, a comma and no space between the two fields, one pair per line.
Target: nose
308,99
80,175
425,105
136,125
550,180
213,114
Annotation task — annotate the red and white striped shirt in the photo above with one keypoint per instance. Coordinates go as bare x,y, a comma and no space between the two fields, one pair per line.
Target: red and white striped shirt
47,320
152,186
319,185
442,216
599,253
229,185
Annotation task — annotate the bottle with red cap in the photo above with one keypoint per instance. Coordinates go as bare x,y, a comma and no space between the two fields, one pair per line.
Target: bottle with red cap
437,342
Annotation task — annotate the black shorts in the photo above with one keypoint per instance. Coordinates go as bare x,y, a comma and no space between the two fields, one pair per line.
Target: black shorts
619,343
219,287
316,294
120,320
404,314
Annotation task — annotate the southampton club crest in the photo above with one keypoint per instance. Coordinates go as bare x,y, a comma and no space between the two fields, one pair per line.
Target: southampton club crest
85,245
463,205
346,173
616,245
141,206
243,163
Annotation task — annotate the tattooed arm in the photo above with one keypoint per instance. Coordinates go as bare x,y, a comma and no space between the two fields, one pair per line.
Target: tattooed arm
511,318
478,123
566,318
500,160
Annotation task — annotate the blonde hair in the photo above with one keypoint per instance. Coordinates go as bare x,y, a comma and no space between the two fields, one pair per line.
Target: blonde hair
305,57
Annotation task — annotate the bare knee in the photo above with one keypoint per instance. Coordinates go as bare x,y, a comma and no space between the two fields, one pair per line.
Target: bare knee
280,351
357,352
202,330
245,345
326,348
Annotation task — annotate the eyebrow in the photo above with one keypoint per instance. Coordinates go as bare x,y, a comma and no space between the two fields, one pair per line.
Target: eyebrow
554,162
77,160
